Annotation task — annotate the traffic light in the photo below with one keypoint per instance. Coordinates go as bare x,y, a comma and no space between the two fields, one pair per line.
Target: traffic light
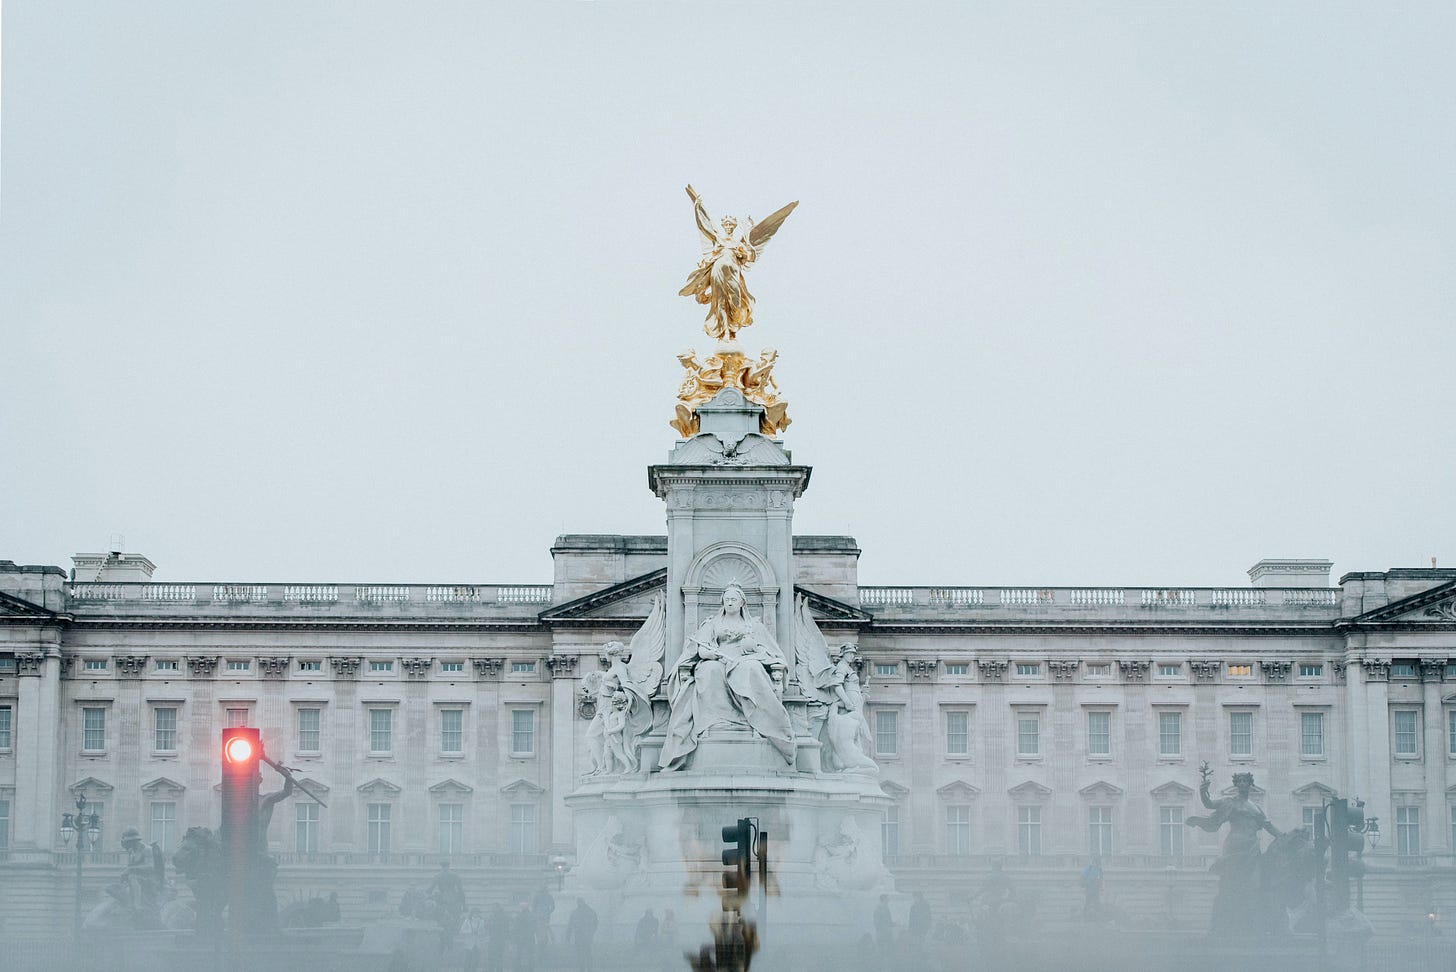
738,862
241,752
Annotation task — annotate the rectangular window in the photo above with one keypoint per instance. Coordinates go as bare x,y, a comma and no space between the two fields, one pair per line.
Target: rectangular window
379,667
957,668
1403,669
958,830
6,712
4,824
1453,826
452,666
1170,734
957,733
379,828
1028,735
523,828
1099,831
1241,671
1028,830
1169,671
306,828
381,730
1099,734
1450,671
1408,831
164,825
1308,816
308,729
1099,670
164,729
310,665
1450,738
452,828
886,734
1170,831
166,664
1407,738
887,668
93,730
1241,733
7,664
238,665
452,730
1307,670
890,832
523,731
523,667
236,718
94,665
1028,668
1311,734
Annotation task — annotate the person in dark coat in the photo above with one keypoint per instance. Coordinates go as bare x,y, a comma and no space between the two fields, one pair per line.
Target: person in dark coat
581,928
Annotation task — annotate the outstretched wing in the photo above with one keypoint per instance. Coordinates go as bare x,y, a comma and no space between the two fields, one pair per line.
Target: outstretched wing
811,656
648,646
761,233
706,229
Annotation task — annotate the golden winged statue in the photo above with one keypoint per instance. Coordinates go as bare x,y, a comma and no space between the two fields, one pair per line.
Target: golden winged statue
718,281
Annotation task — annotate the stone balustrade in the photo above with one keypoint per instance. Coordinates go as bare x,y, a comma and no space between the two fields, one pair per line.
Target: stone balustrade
244,600
1123,602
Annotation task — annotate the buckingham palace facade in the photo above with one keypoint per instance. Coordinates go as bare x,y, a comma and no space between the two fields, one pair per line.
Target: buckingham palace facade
1036,726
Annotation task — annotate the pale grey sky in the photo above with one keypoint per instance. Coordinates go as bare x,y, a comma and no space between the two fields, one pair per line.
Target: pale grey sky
1075,294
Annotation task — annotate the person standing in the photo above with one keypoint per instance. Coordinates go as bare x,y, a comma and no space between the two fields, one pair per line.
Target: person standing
523,939
646,936
581,928
1092,890
884,926
497,933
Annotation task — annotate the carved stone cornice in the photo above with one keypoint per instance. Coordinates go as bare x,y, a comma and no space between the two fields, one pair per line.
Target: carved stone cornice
922,667
273,666
1062,669
346,666
1432,669
487,667
1275,671
130,666
992,670
1203,670
416,667
1134,671
29,662
1376,671
562,666
202,666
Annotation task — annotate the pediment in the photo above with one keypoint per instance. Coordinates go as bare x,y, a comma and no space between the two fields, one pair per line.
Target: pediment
91,785
1172,791
827,609
1101,790
18,607
1436,606
522,788
707,449
1314,791
378,787
958,790
162,786
628,602
451,786
895,790
1030,790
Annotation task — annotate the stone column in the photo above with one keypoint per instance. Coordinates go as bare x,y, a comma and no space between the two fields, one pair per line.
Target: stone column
563,747
1436,761
1357,741
38,761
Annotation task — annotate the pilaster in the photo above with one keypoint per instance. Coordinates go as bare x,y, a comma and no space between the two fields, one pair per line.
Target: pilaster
37,729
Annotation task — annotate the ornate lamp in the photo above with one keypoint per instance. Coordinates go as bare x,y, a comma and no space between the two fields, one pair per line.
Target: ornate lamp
67,829
93,828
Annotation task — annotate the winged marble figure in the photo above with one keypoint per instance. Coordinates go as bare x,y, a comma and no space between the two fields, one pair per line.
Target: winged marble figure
631,677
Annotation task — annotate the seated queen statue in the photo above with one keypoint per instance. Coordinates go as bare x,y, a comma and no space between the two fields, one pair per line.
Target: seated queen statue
727,677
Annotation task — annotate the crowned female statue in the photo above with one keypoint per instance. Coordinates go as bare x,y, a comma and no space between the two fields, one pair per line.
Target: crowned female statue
727,676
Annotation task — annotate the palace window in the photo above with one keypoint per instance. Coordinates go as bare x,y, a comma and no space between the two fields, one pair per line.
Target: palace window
452,828
164,824
1240,671
1170,831
381,731
1170,734
1408,831
1166,670
957,733
6,712
452,730
523,828
381,666
310,665
1028,831
239,665
1099,670
1241,733
886,732
164,729
166,665
1028,734
306,828
93,665
1311,670
890,832
957,668
958,829
887,668
93,729
308,729
1407,733
1311,734
378,817
4,824
523,732
1028,669
1099,831
1404,669
452,666
237,718
1450,736
1099,733
523,667
1308,816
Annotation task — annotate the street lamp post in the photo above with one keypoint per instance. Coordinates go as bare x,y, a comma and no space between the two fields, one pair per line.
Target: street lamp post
86,827
1341,828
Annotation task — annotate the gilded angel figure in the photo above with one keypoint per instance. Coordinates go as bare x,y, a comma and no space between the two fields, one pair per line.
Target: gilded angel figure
718,281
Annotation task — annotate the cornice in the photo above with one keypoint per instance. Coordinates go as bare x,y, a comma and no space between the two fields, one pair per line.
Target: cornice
309,624
1035,626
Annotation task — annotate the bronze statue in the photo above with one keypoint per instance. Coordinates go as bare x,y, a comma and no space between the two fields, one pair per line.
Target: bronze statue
1239,906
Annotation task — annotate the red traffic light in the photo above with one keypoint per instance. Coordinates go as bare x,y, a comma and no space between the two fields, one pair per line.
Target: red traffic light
241,748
